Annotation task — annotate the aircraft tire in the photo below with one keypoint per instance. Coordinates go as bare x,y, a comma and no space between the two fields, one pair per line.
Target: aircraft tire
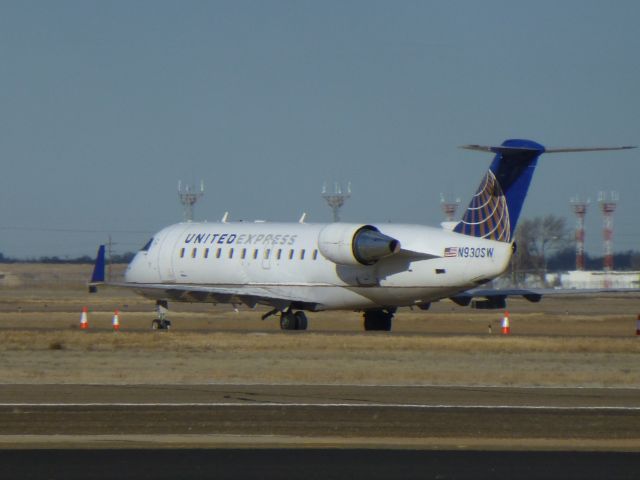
378,321
373,324
158,324
288,321
368,323
301,320
385,323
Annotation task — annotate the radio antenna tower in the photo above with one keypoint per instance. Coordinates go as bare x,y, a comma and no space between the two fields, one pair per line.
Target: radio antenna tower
608,203
449,207
188,198
336,199
579,208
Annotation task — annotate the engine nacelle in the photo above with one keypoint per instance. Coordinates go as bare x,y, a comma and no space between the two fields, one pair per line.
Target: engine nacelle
355,244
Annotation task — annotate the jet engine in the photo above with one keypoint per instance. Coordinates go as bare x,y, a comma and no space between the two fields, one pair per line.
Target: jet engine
355,244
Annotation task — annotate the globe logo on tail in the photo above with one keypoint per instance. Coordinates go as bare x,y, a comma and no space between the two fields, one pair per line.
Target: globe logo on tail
488,214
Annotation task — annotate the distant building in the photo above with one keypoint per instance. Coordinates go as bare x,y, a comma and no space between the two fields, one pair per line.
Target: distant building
594,279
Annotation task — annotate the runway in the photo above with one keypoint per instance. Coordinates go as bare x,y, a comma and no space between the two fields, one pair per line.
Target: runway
314,464
317,431
327,415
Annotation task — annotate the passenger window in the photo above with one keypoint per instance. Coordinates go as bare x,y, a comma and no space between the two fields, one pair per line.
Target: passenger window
194,252
255,253
279,254
302,254
267,253
291,254
315,254
231,253
218,252
182,252
206,253
243,255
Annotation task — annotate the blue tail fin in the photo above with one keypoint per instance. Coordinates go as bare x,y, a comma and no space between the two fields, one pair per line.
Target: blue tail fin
494,210
98,268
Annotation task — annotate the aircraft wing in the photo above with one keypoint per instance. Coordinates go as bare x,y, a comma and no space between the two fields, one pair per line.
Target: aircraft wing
246,295
250,296
488,298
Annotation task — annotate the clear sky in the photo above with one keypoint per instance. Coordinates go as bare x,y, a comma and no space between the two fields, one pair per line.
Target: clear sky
105,105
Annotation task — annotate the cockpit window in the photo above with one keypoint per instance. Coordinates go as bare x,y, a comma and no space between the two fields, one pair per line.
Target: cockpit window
147,246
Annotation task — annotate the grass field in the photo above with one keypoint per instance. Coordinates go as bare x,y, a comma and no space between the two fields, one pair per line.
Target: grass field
558,342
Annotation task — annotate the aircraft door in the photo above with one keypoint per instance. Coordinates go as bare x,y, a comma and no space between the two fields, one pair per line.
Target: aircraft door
168,253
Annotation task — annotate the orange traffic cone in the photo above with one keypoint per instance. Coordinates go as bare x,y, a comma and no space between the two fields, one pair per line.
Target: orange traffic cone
506,329
638,325
116,321
84,321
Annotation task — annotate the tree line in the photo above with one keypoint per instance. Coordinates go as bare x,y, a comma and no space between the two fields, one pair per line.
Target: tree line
115,258
546,244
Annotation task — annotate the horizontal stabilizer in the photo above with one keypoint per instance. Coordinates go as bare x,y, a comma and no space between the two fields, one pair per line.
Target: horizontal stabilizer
502,149
507,150
588,149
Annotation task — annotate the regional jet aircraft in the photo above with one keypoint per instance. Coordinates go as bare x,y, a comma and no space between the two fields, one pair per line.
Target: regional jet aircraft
373,268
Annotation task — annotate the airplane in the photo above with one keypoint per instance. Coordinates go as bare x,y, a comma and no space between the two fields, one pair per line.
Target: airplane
371,268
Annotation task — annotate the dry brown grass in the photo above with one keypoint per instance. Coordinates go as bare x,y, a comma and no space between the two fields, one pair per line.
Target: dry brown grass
134,357
369,344
559,342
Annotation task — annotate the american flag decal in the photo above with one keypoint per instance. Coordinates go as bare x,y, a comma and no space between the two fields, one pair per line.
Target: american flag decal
451,252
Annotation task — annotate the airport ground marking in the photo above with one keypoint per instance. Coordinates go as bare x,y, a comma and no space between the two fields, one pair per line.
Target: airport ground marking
329,385
322,405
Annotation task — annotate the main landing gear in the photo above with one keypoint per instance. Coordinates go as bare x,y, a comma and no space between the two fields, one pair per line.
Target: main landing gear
289,320
162,322
293,320
378,320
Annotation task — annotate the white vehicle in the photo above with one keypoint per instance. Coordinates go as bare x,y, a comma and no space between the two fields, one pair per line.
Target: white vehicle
373,268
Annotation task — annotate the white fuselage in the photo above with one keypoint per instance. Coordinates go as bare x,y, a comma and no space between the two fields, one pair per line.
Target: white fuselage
284,259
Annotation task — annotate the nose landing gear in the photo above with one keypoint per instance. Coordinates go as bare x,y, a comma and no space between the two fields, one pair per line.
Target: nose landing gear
162,322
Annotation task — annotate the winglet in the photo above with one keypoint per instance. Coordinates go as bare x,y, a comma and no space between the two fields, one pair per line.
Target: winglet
98,271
